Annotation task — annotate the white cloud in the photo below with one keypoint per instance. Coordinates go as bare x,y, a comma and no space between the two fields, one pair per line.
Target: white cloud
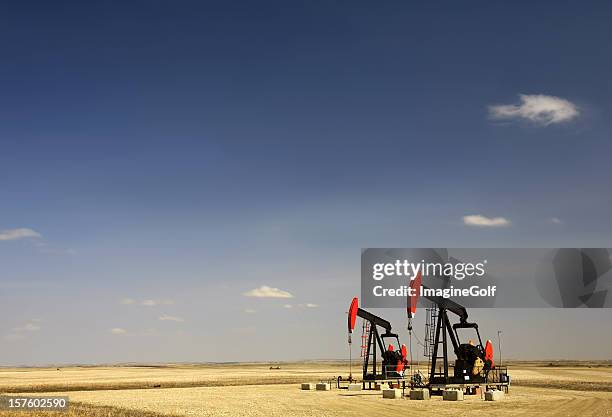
166,317
555,220
21,233
146,303
21,332
152,303
483,221
30,326
250,311
537,108
267,292
118,330
288,306
308,305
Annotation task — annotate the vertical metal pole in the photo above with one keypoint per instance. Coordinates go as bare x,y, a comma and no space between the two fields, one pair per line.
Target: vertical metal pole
367,358
350,358
499,332
445,318
374,356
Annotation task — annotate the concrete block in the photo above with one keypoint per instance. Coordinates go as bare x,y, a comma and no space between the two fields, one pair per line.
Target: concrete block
323,386
308,386
419,394
494,395
392,393
452,395
354,387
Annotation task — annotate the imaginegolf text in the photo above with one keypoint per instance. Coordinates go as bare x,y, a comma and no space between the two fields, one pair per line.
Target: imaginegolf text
406,291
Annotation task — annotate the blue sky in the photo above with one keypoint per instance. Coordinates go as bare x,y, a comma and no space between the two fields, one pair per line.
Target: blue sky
188,152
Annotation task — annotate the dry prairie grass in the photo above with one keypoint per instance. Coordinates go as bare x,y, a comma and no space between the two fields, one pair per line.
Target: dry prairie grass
582,376
290,401
84,410
14,380
110,386
248,390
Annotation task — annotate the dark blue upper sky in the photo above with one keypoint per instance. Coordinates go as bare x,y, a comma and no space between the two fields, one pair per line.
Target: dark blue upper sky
152,143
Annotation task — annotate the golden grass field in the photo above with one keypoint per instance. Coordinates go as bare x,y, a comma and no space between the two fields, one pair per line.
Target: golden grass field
539,389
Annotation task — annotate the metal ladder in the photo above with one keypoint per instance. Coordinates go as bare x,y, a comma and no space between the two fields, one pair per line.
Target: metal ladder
430,331
430,338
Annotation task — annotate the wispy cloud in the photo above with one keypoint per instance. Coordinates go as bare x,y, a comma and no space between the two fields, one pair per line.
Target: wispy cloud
21,233
146,303
250,311
28,327
479,220
43,246
20,332
118,330
165,317
153,303
267,292
540,109
555,220
36,239
306,305
288,306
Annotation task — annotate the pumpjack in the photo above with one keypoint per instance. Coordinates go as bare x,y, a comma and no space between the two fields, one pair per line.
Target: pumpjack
474,364
394,362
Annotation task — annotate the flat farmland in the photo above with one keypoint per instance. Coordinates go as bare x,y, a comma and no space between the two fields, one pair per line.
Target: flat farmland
167,376
256,390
